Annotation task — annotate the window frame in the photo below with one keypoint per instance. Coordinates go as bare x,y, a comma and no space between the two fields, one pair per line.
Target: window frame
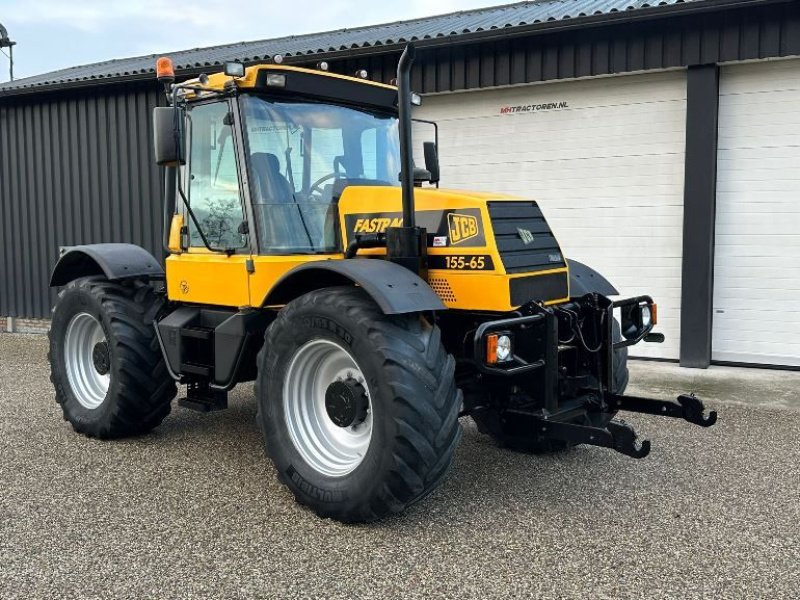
249,247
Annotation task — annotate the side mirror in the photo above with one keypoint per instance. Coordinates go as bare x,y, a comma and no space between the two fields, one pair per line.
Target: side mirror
431,160
420,176
168,136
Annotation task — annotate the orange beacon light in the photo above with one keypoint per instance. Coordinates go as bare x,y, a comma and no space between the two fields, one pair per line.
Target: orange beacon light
164,70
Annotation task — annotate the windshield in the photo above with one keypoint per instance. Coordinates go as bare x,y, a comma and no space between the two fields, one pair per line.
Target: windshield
301,157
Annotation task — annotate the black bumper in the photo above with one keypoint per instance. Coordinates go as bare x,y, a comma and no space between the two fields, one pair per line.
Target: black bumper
562,362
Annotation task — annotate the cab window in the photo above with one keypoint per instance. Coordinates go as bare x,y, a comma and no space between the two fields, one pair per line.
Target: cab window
213,182
302,155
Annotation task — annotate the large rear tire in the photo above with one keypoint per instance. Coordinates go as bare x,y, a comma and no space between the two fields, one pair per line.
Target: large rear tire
491,422
105,361
359,410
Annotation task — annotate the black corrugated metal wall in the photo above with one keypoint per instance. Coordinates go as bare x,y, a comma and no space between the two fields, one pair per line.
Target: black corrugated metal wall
74,169
733,35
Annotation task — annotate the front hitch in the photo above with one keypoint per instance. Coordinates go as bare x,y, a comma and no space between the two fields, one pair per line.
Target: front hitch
617,434
688,407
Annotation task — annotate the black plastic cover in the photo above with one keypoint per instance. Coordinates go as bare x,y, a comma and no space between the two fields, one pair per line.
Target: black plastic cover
585,280
395,289
115,261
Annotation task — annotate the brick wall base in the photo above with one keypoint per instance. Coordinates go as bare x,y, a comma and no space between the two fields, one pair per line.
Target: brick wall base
19,325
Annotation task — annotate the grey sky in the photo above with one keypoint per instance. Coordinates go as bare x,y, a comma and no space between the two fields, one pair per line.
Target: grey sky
53,34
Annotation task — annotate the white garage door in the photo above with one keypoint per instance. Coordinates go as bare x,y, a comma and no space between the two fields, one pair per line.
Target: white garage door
604,157
757,259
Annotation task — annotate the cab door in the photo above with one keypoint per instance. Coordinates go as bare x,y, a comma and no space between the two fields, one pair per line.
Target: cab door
213,265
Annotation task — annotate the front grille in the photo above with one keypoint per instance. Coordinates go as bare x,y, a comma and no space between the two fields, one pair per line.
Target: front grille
523,237
540,288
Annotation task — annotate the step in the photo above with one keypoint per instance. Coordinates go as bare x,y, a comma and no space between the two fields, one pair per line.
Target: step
195,369
198,333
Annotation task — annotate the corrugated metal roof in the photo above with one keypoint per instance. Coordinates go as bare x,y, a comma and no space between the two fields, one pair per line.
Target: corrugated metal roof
462,23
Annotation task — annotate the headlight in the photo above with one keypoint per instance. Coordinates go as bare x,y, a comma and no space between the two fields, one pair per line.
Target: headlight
645,316
498,348
503,348
636,318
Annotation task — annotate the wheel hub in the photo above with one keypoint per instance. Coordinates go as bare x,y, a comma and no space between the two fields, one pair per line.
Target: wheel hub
87,360
346,402
101,358
328,408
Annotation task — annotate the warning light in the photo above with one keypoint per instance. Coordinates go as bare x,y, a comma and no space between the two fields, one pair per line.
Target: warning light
164,70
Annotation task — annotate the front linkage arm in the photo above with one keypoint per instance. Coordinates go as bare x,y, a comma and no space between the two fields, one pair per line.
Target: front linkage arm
688,407
617,434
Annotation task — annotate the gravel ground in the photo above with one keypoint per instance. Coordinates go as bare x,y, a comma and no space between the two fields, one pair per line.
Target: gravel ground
194,510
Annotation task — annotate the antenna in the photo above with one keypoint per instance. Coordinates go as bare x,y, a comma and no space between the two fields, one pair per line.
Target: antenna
5,42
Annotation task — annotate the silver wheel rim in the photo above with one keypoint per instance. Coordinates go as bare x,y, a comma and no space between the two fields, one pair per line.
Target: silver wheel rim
90,387
331,450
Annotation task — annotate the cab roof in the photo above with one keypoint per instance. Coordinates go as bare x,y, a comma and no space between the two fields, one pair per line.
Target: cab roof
217,80
298,83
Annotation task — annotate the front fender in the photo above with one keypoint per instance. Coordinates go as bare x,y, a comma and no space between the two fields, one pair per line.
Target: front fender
585,280
114,261
395,289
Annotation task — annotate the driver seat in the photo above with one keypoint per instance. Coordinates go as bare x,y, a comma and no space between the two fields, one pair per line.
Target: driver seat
273,187
280,222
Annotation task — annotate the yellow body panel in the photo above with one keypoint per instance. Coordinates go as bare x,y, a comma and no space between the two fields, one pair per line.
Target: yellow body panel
203,277
269,269
175,227
462,290
206,278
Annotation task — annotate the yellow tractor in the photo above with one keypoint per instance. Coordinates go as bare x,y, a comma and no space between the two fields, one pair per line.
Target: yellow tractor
306,251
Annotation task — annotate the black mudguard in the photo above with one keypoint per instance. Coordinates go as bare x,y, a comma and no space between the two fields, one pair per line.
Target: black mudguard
585,280
395,289
114,261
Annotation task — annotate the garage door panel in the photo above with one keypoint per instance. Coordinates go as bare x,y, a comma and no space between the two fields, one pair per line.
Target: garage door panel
607,171
760,76
757,322
488,150
759,220
586,122
757,256
765,168
783,287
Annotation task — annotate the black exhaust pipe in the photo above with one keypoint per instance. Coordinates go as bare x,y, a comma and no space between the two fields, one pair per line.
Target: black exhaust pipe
406,245
406,148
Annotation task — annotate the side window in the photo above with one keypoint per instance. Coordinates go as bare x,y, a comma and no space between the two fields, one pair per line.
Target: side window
213,178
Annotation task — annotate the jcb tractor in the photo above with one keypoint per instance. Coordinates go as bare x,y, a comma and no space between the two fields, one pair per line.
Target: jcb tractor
306,251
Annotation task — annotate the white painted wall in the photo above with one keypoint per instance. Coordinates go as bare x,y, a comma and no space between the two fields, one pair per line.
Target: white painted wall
757,258
607,171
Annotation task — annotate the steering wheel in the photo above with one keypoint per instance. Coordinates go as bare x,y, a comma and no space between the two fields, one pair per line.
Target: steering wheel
318,183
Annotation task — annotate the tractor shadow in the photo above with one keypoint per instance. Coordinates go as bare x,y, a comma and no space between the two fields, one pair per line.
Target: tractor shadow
484,482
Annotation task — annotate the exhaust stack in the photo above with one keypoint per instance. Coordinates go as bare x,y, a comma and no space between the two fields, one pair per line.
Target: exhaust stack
406,245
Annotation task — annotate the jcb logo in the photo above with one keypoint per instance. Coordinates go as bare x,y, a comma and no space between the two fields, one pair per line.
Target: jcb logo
462,227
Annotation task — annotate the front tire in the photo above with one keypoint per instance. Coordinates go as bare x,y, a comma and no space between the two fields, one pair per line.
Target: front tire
105,362
359,410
